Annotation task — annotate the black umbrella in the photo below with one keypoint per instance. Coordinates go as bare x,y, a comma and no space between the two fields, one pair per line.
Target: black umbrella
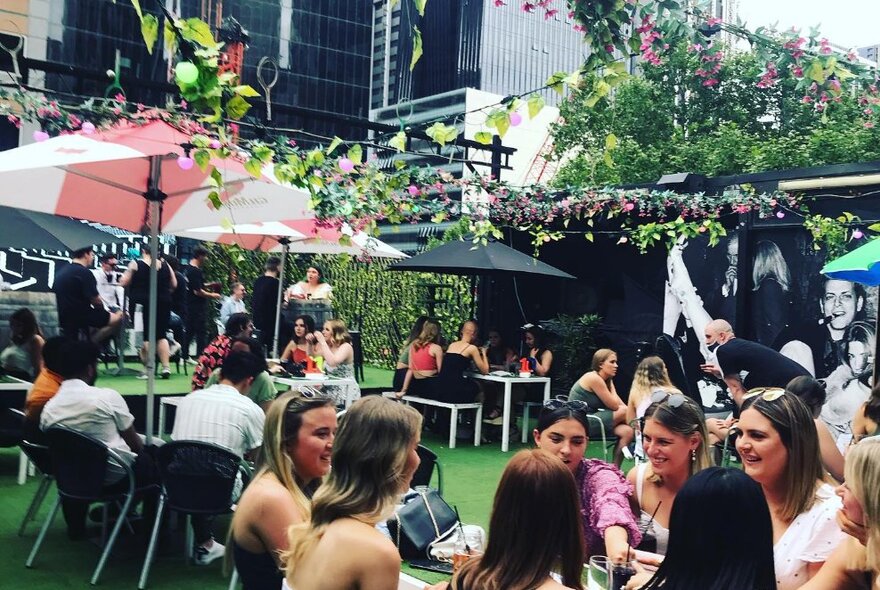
43,231
465,258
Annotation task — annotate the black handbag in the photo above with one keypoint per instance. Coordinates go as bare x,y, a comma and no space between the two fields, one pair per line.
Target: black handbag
420,523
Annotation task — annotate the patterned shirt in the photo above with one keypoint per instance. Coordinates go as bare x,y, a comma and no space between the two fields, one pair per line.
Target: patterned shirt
212,357
604,494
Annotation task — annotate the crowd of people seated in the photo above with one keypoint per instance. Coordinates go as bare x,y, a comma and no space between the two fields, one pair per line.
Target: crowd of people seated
802,512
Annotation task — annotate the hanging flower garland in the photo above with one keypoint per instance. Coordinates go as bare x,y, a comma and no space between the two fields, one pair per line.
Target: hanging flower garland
347,188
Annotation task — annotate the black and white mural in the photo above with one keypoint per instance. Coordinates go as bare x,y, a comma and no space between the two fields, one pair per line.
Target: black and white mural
828,326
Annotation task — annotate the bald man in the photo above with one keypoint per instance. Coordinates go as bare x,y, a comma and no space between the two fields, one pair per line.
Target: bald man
744,364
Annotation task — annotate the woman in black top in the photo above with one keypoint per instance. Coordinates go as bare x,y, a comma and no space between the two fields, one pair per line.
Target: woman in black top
137,279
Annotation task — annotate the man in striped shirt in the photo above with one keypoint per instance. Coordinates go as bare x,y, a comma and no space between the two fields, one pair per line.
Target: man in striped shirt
223,415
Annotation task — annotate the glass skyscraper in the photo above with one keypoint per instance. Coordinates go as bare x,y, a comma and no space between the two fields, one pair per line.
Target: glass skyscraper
322,47
469,44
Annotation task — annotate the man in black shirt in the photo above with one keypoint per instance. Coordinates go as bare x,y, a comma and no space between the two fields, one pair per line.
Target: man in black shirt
80,307
264,300
196,303
744,364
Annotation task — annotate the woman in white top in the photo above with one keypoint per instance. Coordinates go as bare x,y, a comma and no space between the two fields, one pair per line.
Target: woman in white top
675,442
374,459
650,375
779,447
314,287
334,344
855,564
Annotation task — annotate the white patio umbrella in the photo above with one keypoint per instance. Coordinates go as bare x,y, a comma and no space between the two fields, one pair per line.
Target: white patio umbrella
129,176
299,236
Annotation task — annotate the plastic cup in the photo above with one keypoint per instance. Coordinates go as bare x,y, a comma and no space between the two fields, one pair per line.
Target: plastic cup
621,572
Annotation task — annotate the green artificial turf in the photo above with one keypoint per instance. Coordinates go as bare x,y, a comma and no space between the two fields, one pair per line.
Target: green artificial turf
471,475
374,377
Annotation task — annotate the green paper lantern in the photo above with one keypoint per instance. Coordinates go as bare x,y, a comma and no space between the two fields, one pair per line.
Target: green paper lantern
186,72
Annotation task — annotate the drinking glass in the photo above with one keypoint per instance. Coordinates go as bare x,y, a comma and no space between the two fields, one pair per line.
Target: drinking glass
599,569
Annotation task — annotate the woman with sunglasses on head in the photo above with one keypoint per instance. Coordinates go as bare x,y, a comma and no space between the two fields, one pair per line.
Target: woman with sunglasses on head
534,529
738,556
779,448
596,389
609,525
300,348
855,564
675,441
374,459
297,443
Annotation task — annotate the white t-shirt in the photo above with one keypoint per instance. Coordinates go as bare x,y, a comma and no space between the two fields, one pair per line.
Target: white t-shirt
810,538
98,412
222,416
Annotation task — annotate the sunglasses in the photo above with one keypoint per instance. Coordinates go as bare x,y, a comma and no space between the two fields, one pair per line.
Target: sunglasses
562,401
768,394
673,400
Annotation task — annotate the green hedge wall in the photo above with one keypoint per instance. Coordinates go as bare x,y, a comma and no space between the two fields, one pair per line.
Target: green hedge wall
384,304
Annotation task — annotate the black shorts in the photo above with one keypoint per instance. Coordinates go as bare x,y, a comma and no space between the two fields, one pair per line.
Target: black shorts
163,318
97,317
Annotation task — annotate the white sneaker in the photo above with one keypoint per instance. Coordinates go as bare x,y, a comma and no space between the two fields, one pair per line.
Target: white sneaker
142,376
207,555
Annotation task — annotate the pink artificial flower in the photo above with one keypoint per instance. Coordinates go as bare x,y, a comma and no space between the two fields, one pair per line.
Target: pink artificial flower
869,124
500,3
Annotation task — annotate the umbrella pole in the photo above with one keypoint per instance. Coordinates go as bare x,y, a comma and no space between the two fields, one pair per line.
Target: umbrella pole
285,243
154,197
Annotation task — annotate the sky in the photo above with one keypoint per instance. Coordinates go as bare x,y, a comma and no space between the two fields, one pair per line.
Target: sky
850,23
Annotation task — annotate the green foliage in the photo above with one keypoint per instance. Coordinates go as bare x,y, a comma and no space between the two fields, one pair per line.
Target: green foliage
383,304
573,346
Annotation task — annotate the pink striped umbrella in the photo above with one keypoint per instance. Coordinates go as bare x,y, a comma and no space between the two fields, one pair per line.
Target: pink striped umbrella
105,177
129,176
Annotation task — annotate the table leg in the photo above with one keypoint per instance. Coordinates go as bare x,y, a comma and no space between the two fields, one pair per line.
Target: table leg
453,427
161,418
546,391
505,423
22,468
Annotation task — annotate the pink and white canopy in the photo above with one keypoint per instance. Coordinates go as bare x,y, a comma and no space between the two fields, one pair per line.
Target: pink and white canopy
304,235
102,177
116,176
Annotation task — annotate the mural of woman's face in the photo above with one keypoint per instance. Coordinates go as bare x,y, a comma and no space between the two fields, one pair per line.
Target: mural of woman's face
859,357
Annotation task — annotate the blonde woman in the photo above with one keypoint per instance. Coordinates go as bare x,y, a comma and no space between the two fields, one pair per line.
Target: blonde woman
334,344
676,445
651,375
374,458
425,361
297,444
855,564
779,447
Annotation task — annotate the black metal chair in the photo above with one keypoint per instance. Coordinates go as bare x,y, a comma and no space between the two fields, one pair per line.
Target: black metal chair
39,456
198,478
11,427
79,463
425,472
